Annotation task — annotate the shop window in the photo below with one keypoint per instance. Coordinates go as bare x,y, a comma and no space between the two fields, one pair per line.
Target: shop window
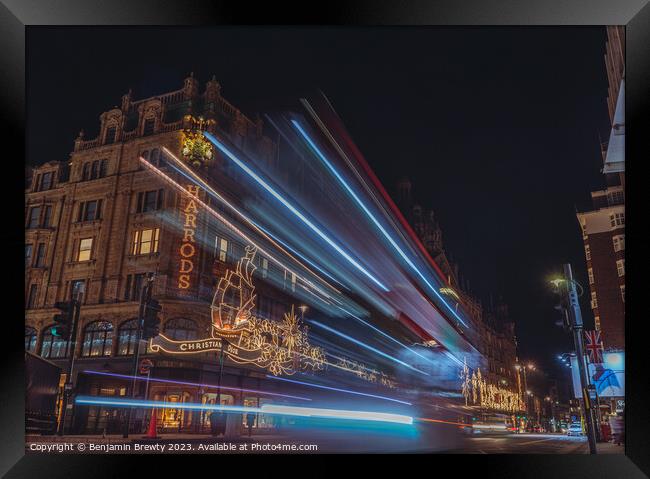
30,339
126,337
53,347
98,339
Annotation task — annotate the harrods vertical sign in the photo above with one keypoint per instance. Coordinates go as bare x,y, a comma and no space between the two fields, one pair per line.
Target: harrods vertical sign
188,246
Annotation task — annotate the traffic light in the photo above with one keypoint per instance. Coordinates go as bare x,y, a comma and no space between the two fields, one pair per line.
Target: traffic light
63,321
151,321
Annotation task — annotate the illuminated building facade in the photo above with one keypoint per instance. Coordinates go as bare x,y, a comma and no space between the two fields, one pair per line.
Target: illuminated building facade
103,221
603,227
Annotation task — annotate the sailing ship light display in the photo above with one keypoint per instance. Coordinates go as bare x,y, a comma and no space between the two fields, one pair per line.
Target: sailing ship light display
282,347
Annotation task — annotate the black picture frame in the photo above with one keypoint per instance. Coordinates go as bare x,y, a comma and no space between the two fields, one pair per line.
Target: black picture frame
17,15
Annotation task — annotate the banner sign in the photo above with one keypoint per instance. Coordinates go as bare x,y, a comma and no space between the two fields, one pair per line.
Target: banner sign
608,377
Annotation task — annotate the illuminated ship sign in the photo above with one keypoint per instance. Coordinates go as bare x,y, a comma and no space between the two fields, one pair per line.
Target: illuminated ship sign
282,347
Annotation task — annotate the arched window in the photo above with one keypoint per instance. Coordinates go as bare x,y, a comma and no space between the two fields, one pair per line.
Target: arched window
94,172
53,346
126,337
155,156
30,339
98,339
180,329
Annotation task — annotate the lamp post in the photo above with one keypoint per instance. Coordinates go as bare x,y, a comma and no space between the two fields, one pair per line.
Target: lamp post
567,287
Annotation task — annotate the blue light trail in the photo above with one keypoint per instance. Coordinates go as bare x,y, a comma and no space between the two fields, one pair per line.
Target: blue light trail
264,409
320,386
291,208
364,345
372,217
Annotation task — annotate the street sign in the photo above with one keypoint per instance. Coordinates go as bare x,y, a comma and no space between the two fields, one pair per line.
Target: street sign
145,366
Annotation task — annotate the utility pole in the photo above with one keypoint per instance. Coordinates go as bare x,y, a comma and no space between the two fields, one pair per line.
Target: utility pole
145,297
575,323
75,303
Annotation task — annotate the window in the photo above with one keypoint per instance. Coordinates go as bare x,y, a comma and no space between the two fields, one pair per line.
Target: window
221,249
590,273
594,300
264,267
623,292
620,267
110,135
615,198
150,200
617,219
53,346
180,329
98,339
619,242
90,210
149,124
94,170
291,278
34,217
28,255
588,252
85,249
77,285
47,216
31,297
597,322
46,181
30,339
145,241
103,166
155,156
126,337
85,172
40,256
133,287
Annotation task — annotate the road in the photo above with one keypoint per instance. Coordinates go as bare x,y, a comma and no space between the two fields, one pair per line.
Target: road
525,444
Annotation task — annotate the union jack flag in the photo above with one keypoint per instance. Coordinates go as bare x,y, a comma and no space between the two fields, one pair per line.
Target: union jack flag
594,347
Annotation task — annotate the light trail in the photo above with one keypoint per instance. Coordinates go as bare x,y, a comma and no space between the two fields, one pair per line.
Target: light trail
371,216
191,175
384,334
211,386
426,419
230,225
264,409
367,346
320,386
291,208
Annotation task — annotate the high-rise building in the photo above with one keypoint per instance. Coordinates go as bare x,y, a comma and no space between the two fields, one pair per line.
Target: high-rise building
603,227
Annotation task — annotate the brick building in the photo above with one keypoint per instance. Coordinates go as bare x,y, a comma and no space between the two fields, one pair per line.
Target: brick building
603,227
102,221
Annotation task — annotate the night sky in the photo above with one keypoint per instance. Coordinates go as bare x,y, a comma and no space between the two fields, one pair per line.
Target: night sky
498,128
